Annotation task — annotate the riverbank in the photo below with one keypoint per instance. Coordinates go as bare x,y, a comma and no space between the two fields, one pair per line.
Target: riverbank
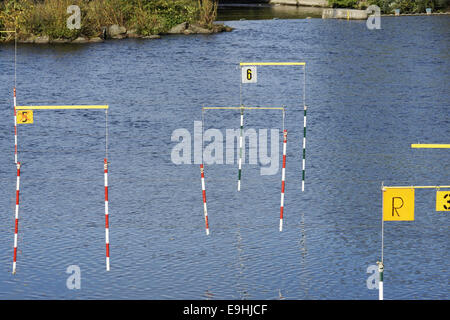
264,11
353,14
386,6
304,3
53,21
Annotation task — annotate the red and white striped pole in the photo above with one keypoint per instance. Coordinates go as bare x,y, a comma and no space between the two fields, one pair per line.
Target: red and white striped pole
15,128
16,228
204,199
283,177
106,213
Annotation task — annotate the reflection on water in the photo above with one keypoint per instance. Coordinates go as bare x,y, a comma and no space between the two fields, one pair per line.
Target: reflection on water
266,11
208,295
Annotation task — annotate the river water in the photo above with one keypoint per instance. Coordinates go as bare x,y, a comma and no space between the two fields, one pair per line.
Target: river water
370,94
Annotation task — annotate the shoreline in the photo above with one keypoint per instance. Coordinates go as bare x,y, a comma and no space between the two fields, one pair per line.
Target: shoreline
265,11
79,21
301,3
116,32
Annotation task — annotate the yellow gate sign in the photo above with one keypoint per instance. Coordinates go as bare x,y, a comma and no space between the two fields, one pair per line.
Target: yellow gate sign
443,201
24,116
398,204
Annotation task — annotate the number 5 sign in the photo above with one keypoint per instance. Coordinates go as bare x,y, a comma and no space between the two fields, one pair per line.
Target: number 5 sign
25,116
249,75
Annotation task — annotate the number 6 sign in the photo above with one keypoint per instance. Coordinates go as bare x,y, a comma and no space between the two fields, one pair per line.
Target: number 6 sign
249,75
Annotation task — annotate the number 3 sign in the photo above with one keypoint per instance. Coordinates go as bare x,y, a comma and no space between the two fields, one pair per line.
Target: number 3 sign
249,75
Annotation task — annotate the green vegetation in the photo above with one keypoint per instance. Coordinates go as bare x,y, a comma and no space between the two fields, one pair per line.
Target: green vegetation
146,17
388,6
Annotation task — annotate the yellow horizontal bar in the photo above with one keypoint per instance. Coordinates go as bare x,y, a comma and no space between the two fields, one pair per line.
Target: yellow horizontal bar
239,108
418,187
273,63
59,107
430,146
6,31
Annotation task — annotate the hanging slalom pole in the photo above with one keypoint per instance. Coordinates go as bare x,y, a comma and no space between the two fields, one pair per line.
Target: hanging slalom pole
283,177
105,166
15,128
205,209
15,85
202,172
16,223
240,148
18,164
304,149
381,263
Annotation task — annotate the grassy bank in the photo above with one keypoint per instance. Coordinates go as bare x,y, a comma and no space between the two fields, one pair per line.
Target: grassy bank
388,6
144,17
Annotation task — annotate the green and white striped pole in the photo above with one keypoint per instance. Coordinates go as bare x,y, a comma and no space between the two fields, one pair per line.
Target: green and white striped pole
240,148
381,263
304,148
380,283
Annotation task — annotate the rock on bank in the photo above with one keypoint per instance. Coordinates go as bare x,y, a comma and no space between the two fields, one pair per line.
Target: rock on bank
307,3
350,14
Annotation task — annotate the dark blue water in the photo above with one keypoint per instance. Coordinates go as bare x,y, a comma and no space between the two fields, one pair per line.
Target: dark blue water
371,93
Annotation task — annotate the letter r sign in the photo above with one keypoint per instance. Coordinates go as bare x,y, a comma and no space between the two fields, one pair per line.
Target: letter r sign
398,204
